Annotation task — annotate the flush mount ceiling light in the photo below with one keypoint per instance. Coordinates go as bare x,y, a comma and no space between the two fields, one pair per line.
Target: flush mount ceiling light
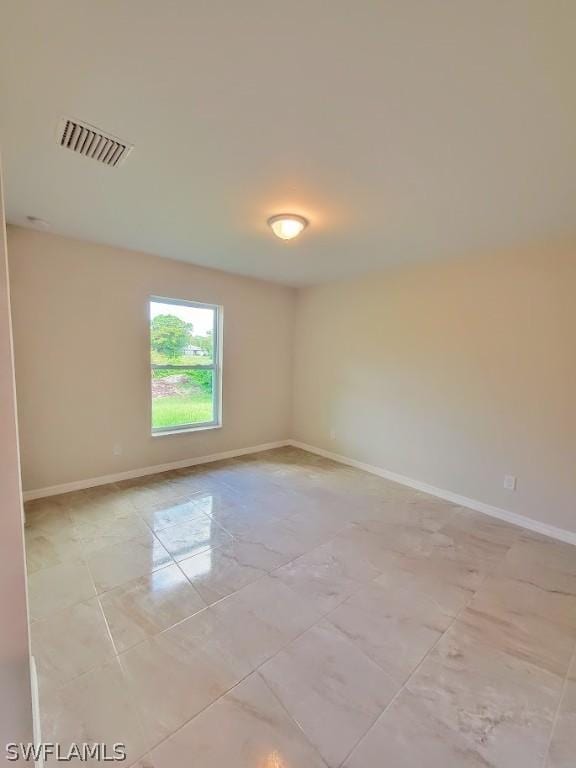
287,225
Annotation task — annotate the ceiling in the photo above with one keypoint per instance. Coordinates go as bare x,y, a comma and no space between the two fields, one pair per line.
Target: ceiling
404,130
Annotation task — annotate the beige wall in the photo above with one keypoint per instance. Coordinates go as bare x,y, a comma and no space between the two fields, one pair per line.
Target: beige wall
452,374
15,693
80,317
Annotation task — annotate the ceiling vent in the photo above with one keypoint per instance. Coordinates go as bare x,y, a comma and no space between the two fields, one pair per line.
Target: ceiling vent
92,142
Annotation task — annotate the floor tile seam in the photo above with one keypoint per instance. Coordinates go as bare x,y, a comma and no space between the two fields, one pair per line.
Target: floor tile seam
99,596
119,543
237,491
62,609
288,713
409,677
88,555
299,512
201,711
119,654
529,582
556,716
488,644
324,614
179,497
133,700
254,671
191,584
207,608
103,614
183,522
85,556
308,552
421,593
79,557
292,639
441,633
300,727
125,541
571,629
30,527
516,538
79,560
183,498
96,597
532,665
203,551
518,529
100,665
268,573
487,572
134,509
155,535
455,512
224,597
258,668
241,539
166,629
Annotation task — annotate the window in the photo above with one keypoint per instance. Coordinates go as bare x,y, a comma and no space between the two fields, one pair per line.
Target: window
185,365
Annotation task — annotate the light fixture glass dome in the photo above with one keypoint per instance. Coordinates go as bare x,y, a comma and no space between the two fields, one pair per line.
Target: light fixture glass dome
287,225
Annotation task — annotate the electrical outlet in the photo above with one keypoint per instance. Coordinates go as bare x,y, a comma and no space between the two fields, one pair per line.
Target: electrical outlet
332,434
117,449
510,482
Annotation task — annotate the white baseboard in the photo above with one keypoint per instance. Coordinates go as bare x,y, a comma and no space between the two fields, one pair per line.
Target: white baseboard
92,482
464,501
479,506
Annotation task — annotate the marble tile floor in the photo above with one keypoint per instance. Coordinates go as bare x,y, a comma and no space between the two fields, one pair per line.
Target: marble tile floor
284,611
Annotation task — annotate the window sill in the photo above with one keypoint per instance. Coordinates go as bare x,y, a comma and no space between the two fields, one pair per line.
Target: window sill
186,430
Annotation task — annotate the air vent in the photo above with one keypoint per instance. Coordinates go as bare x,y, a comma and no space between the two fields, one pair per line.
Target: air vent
92,142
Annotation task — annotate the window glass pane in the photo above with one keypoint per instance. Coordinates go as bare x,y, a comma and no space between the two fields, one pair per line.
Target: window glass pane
181,335
180,398
182,340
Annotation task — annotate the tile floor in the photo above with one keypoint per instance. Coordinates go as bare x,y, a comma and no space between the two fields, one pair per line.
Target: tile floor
283,611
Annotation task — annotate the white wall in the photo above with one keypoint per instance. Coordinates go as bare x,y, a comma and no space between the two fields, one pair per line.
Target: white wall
81,339
15,697
451,374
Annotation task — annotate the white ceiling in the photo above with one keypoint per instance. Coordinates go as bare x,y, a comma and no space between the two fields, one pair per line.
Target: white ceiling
403,129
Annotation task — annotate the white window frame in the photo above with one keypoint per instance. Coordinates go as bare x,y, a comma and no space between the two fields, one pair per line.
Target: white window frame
216,367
